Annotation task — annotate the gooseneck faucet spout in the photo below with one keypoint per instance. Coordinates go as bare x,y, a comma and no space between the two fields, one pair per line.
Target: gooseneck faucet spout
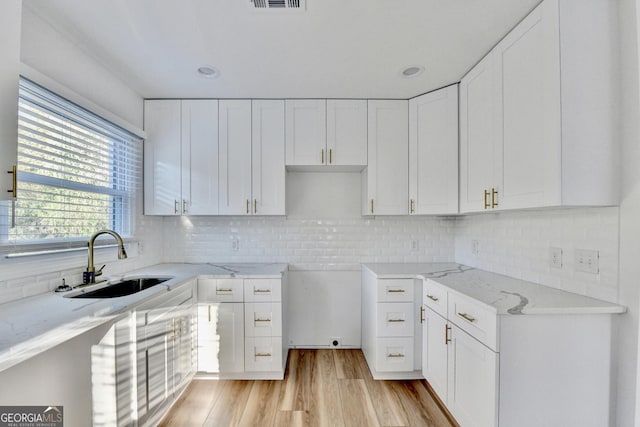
89,275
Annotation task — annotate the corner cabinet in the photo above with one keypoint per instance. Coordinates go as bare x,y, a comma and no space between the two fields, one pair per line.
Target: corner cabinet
433,153
252,172
10,23
330,132
385,180
240,328
181,157
534,133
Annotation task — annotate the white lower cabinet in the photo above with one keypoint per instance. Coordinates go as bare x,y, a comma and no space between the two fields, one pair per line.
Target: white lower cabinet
240,328
391,341
527,370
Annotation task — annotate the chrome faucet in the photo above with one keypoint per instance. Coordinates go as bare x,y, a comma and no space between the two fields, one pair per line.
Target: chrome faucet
89,275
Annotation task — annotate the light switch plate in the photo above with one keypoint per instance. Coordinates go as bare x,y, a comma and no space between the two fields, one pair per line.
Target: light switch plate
587,261
555,257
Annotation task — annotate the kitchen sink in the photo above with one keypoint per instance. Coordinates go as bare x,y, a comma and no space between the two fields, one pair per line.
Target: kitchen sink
122,288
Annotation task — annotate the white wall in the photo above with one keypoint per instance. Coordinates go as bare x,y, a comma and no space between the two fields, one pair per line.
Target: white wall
626,342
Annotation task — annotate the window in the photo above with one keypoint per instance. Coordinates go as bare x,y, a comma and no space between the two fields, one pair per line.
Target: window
77,173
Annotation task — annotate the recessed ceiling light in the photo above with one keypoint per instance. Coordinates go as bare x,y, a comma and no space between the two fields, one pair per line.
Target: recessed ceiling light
413,71
208,72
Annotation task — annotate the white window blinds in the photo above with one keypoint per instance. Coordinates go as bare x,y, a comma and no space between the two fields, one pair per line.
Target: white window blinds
77,173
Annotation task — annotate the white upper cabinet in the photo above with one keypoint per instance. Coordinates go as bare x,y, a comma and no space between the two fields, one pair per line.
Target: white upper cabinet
326,133
306,132
200,157
10,21
385,181
181,157
162,151
433,152
346,132
235,157
533,133
252,171
267,154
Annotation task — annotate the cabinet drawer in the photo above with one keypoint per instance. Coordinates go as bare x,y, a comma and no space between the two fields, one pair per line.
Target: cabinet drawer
476,319
396,290
220,290
263,354
395,319
394,354
263,319
262,290
434,296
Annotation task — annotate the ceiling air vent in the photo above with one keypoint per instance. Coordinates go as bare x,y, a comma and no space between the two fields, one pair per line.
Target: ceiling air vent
298,5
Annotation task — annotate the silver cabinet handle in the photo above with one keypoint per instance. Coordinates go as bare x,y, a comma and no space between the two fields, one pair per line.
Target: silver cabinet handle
262,291
262,320
263,354
395,355
396,291
395,320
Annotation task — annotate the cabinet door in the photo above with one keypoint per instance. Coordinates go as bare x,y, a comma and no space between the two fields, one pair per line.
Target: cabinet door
434,351
387,176
267,152
529,70
162,151
306,132
433,152
347,132
478,135
160,340
220,337
472,394
185,345
10,22
235,157
200,157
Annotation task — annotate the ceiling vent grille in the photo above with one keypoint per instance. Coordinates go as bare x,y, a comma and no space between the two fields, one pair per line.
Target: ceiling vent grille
298,5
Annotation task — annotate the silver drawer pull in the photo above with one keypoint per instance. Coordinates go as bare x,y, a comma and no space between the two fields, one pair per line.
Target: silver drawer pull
396,291
395,355
466,317
263,354
262,291
225,291
432,298
395,320
262,320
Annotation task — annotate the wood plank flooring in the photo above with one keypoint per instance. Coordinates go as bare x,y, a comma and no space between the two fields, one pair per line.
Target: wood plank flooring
327,388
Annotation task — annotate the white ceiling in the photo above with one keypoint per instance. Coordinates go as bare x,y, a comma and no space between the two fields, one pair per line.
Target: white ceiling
335,49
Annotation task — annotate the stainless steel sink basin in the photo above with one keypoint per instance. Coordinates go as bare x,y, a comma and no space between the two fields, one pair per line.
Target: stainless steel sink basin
122,288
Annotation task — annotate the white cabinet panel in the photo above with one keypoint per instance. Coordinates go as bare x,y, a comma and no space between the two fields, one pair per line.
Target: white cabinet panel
394,354
306,132
386,179
162,152
478,135
395,319
262,290
200,157
10,23
346,132
220,337
220,290
267,153
396,290
434,352
235,157
433,152
472,381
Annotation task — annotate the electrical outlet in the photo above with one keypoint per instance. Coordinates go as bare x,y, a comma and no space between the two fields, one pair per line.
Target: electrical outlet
555,257
235,245
335,342
587,261
415,245
475,247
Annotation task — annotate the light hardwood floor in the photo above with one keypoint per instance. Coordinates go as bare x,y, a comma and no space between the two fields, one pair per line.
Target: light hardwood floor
321,388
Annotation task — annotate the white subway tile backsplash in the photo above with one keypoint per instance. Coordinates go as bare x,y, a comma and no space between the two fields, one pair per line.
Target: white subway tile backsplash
310,244
517,244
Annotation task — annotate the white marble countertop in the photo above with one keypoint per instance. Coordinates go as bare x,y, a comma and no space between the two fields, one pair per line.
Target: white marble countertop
505,295
32,325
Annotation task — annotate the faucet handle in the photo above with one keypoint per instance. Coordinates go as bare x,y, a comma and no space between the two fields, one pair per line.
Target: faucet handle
99,272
